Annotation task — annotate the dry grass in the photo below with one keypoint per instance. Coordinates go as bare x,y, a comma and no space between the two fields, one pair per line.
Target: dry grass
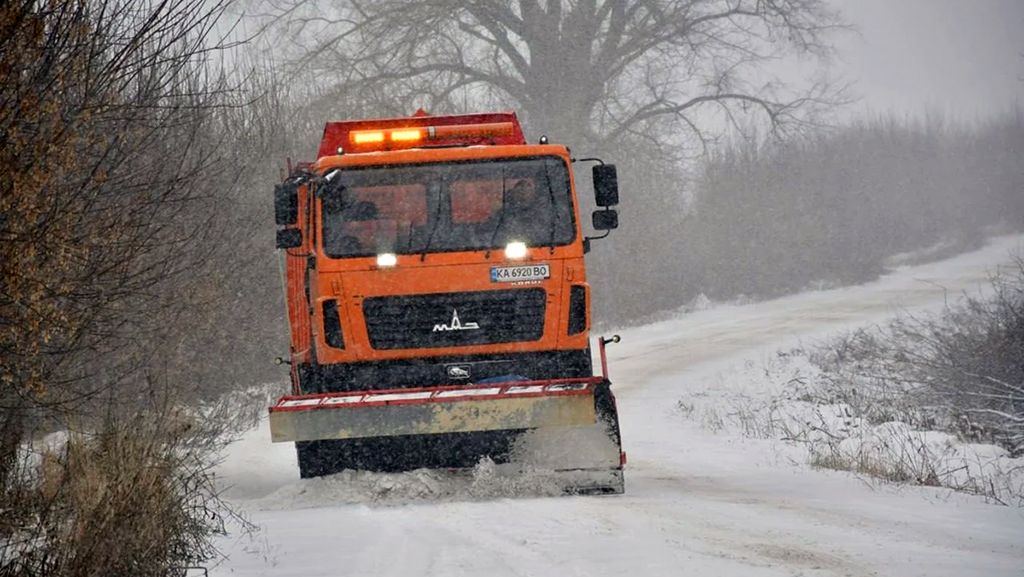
134,498
961,371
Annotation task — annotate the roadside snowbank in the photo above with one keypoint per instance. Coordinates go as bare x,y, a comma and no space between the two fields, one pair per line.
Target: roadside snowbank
792,404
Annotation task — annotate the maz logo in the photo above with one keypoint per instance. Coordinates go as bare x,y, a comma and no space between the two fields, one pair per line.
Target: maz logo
457,372
456,324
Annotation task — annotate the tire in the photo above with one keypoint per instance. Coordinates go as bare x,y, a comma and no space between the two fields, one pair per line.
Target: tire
403,453
310,464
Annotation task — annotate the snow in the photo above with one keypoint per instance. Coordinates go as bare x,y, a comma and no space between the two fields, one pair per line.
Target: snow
787,398
698,501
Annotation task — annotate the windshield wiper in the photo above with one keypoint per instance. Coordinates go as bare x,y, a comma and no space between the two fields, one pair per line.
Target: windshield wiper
433,227
332,189
501,217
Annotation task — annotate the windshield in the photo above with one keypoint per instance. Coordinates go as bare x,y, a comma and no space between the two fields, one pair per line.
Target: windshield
447,207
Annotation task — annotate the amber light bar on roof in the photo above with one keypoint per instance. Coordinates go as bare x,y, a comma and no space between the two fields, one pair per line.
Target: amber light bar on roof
411,136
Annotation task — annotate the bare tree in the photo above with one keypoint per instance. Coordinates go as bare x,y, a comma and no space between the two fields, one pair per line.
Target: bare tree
105,106
581,70
109,174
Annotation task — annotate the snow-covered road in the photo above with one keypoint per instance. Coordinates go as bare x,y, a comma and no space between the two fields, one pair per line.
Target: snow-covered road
696,503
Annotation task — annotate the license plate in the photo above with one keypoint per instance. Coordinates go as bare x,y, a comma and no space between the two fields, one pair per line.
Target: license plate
520,273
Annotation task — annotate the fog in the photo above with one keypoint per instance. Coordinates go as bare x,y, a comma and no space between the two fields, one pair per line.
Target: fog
965,59
764,149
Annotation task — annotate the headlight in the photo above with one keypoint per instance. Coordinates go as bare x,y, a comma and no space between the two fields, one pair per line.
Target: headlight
515,250
387,259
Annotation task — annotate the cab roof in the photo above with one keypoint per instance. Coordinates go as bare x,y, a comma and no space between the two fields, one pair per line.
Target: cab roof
420,131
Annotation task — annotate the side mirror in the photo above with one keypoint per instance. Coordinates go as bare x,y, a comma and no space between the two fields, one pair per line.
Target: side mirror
286,204
605,219
289,238
606,185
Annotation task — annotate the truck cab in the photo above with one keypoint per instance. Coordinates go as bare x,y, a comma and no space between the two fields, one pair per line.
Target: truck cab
418,261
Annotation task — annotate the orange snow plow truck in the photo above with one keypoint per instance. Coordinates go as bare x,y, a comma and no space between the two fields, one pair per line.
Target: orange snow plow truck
439,305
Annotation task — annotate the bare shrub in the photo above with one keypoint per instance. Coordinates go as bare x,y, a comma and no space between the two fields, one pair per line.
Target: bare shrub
961,371
832,208
897,453
136,497
909,401
834,403
109,180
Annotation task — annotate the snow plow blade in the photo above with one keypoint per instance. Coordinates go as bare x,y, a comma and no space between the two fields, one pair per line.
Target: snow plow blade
566,428
436,410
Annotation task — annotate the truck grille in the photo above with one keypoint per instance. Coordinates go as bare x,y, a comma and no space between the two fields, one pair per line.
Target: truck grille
455,319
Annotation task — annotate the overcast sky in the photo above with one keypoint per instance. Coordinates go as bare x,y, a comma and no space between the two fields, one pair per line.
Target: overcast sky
963,57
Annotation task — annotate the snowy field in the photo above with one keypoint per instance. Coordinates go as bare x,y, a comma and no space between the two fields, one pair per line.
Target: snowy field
697,502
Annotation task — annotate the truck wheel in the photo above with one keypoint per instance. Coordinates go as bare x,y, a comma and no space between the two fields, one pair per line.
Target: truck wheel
311,460
407,453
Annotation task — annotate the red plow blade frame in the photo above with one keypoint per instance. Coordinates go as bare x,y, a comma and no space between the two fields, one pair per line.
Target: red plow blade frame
433,410
472,407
